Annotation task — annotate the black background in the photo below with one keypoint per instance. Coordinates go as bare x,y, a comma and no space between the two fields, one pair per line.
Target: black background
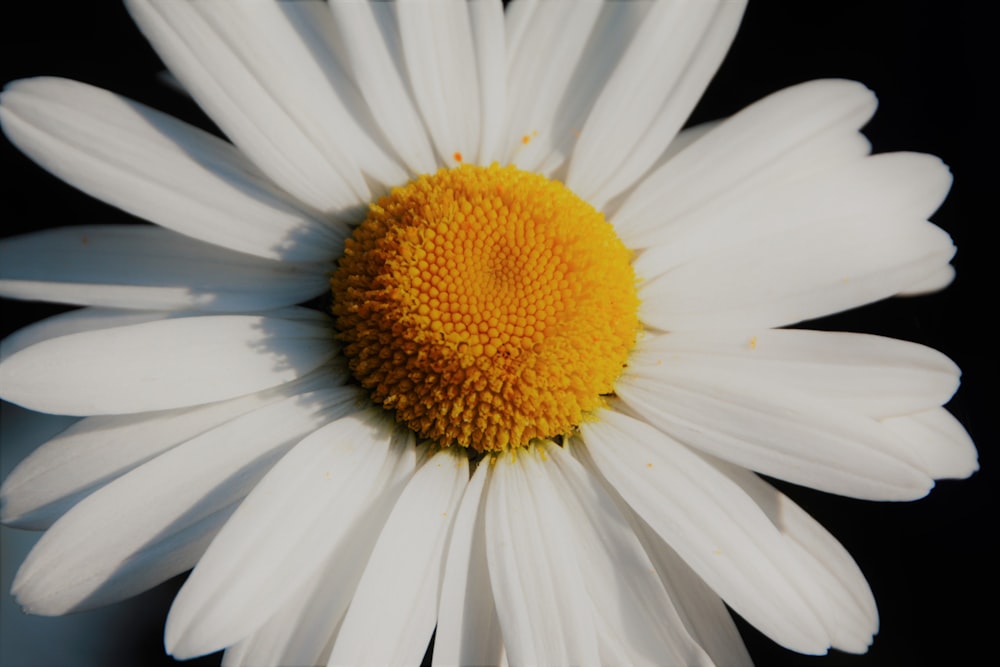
931,563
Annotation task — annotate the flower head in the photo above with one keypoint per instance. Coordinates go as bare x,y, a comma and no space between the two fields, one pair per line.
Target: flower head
543,354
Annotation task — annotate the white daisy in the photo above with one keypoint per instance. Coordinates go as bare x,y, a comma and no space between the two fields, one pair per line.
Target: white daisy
537,430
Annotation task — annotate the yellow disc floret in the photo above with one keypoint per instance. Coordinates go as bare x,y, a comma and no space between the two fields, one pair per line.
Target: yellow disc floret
486,306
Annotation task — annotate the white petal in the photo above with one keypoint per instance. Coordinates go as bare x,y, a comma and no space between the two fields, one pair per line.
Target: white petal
779,431
303,630
357,133
938,443
160,169
744,151
405,568
78,321
704,614
133,266
656,84
933,282
712,524
871,375
640,622
282,533
487,19
468,630
97,450
157,520
543,95
846,605
545,613
436,41
164,364
891,186
799,275
248,68
367,33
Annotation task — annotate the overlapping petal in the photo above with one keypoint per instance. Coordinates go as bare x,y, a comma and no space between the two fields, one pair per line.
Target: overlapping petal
261,557
109,547
250,70
164,364
132,266
160,169
798,405
97,450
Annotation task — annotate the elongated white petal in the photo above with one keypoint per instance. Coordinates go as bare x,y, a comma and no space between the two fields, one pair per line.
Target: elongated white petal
870,375
640,622
367,33
904,186
108,547
845,605
160,169
655,85
147,267
933,282
546,615
302,631
712,524
97,450
938,443
468,630
777,431
344,117
78,321
543,105
800,275
261,557
164,364
405,567
744,151
487,20
436,44
704,614
253,74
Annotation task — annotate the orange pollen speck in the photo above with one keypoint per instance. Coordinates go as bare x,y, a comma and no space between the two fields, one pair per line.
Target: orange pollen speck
486,306
457,156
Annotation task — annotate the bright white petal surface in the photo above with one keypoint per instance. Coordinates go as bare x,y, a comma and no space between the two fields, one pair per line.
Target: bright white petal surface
436,43
938,443
702,611
254,75
545,612
96,450
543,108
398,592
638,622
77,321
133,266
165,364
870,375
792,412
658,80
368,35
742,153
283,532
843,238
468,630
712,524
302,631
109,547
846,606
160,169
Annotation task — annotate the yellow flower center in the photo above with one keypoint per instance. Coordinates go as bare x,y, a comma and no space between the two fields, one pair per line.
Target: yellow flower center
486,306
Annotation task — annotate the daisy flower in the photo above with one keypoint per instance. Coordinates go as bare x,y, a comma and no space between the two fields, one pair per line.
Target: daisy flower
458,332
